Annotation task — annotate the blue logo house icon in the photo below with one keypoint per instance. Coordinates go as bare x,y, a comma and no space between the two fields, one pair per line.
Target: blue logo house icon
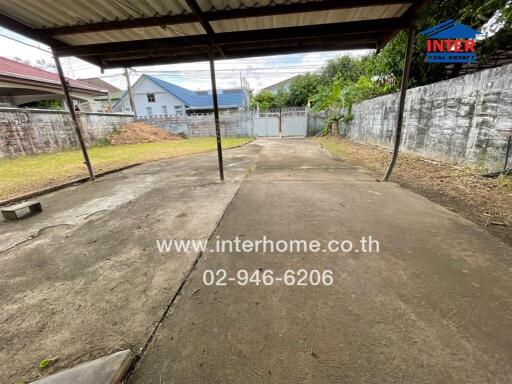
451,42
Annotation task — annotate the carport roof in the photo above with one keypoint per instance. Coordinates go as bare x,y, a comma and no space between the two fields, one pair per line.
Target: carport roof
122,33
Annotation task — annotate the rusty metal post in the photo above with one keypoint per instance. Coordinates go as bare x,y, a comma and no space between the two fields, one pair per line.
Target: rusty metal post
401,105
72,112
507,154
216,111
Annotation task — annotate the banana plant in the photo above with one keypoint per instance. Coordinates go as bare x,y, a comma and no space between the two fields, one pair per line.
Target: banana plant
334,100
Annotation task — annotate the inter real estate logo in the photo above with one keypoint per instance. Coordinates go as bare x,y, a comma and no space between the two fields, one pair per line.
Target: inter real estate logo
451,42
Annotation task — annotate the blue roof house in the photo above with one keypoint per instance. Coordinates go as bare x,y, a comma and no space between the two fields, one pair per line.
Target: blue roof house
155,97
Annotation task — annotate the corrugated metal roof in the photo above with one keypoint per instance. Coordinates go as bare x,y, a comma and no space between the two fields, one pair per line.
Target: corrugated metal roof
310,18
51,13
95,26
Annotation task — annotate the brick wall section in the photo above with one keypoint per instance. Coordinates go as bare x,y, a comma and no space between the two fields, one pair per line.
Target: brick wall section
29,131
464,121
237,124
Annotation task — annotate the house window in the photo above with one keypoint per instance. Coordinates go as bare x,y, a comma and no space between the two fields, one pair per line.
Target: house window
164,110
151,97
149,111
179,110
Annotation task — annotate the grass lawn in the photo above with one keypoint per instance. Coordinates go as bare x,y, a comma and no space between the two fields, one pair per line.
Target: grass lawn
29,173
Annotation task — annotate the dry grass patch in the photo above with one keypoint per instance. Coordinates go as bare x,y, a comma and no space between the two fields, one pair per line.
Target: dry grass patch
483,200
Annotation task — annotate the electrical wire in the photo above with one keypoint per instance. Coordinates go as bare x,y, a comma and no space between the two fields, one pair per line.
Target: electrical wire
250,68
23,42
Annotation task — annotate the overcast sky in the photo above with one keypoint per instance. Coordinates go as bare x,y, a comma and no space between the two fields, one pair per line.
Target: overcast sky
259,71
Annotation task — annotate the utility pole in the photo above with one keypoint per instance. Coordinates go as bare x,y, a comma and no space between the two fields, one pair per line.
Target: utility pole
109,102
130,95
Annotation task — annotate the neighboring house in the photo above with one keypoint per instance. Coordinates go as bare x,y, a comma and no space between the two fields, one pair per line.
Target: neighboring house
156,97
106,101
22,84
285,85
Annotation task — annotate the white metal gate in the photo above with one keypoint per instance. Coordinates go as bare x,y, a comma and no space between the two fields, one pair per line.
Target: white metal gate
266,125
281,123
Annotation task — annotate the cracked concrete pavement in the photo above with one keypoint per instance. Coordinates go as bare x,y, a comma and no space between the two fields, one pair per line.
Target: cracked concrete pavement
433,306
83,278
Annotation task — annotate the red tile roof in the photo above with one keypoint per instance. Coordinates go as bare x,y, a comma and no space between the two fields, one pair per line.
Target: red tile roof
13,68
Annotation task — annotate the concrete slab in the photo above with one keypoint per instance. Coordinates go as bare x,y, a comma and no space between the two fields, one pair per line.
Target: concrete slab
433,306
105,370
84,278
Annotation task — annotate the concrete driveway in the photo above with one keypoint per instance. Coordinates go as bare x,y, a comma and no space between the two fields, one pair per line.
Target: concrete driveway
434,305
83,278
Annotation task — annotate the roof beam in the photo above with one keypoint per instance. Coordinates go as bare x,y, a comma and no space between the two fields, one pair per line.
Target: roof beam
35,34
25,30
196,9
411,14
264,51
413,11
338,30
242,46
227,14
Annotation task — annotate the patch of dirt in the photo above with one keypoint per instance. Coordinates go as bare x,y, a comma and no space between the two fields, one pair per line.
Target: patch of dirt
485,201
136,133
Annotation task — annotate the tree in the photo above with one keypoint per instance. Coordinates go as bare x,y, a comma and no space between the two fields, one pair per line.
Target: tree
337,100
333,100
346,68
264,100
44,65
281,98
301,89
348,80
474,13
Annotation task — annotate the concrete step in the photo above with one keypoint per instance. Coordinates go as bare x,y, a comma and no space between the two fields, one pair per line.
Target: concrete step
105,370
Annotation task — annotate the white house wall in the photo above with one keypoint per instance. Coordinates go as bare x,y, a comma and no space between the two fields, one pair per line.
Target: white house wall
162,98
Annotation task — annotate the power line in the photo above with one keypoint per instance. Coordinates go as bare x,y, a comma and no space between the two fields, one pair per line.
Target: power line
23,42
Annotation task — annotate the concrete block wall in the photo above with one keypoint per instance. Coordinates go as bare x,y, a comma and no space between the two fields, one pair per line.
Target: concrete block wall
30,131
463,121
237,124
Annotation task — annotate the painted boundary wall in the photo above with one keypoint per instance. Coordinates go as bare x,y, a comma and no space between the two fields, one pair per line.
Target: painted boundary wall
462,121
236,124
